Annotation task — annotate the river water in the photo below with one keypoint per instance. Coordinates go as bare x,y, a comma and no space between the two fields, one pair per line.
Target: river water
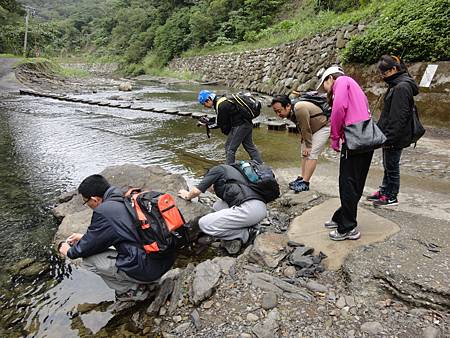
46,148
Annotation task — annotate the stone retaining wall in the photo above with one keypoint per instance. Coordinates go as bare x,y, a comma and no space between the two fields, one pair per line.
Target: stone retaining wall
277,69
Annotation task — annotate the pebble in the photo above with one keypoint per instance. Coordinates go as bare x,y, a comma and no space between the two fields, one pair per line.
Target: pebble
350,301
208,304
157,321
372,328
177,319
431,332
290,272
341,302
269,301
182,328
246,335
252,317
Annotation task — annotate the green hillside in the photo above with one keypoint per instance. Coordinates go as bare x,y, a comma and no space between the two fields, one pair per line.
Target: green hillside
143,34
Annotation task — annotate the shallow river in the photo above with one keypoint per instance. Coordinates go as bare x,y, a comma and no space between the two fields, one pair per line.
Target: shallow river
46,148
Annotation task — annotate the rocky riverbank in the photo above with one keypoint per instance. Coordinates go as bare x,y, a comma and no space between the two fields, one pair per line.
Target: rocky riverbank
276,287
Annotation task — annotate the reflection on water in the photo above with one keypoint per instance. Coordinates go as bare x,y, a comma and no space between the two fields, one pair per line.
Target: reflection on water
47,147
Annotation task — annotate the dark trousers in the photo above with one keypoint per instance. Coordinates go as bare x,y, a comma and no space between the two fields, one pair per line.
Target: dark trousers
353,169
391,178
241,135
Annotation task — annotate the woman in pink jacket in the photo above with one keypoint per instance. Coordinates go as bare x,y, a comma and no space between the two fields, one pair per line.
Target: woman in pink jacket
349,106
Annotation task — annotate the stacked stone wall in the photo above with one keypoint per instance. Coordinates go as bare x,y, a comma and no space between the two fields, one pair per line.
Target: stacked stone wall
279,69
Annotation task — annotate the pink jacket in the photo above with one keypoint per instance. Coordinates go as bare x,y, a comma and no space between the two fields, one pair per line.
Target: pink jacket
350,106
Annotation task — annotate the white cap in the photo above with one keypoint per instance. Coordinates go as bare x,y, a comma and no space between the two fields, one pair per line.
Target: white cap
328,72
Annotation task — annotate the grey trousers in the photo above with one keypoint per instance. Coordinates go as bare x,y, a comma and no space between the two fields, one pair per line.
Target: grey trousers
241,135
104,265
233,223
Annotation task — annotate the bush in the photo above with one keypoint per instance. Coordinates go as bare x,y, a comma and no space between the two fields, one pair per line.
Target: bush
414,30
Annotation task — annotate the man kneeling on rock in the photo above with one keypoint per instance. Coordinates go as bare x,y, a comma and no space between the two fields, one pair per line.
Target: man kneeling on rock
127,268
239,209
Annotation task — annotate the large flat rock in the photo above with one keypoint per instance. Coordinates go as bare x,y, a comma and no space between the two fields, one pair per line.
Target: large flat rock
309,230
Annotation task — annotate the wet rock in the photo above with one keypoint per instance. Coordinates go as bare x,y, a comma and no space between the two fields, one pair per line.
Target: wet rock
165,290
22,264
66,197
206,277
302,261
181,283
269,301
269,248
269,327
372,328
431,332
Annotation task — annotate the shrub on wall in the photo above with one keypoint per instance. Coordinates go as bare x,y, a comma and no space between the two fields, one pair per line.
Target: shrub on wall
415,30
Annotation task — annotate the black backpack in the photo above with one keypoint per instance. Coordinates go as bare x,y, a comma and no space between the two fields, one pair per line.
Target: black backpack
319,100
159,223
248,105
417,128
260,178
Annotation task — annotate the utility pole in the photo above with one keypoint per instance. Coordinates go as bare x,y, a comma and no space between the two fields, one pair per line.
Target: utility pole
32,11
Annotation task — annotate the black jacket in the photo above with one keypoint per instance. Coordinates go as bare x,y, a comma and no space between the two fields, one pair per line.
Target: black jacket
112,225
229,185
395,119
228,115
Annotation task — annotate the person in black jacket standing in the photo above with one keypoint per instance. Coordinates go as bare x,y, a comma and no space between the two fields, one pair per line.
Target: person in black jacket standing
396,124
231,122
126,268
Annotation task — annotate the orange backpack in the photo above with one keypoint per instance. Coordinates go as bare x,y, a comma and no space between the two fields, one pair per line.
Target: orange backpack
158,221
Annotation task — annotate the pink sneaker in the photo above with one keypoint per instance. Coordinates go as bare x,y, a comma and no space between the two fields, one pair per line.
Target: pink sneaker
375,196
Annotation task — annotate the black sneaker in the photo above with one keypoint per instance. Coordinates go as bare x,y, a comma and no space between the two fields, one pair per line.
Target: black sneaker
300,186
232,246
375,196
385,201
252,233
352,234
206,240
298,179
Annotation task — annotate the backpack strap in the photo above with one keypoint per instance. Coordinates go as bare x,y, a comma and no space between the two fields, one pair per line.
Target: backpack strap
219,101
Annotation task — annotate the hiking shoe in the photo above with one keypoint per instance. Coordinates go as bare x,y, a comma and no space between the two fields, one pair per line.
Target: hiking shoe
298,179
352,234
206,240
300,186
252,233
232,246
385,201
375,196
140,294
330,225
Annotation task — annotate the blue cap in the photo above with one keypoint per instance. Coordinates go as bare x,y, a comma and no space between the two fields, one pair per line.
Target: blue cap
205,95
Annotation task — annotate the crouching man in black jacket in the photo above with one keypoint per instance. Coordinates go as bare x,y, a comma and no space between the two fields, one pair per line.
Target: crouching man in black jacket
236,213
126,268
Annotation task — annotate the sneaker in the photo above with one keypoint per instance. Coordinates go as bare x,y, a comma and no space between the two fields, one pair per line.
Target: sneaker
352,234
330,225
300,186
137,295
385,201
232,246
252,233
375,196
298,179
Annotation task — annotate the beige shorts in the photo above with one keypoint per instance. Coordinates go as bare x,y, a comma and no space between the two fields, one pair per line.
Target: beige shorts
319,139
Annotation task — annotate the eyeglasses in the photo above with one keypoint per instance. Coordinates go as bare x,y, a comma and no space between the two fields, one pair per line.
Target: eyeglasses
86,200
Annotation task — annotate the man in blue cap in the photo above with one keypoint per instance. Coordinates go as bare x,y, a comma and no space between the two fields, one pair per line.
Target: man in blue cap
231,122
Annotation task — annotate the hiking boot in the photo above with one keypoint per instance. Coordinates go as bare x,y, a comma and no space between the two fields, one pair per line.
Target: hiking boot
140,294
330,225
300,186
298,179
352,234
206,240
385,201
232,246
375,196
